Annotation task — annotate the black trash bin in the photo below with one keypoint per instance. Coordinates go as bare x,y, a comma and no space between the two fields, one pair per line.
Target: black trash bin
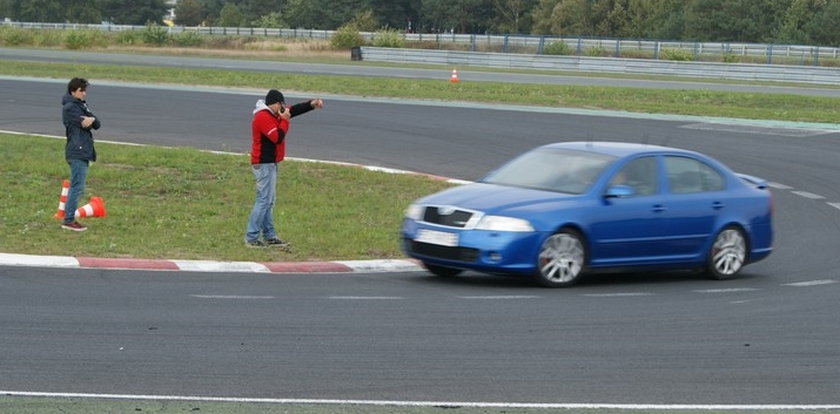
356,53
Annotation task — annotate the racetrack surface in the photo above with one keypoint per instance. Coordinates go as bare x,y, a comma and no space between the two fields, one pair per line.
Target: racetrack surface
767,337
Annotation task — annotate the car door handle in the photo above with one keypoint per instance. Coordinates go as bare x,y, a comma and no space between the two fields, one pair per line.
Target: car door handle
658,208
717,205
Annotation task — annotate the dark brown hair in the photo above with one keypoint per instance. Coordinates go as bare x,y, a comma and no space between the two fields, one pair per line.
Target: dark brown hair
77,83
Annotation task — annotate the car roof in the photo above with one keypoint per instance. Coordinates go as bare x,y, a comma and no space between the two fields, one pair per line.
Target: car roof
616,149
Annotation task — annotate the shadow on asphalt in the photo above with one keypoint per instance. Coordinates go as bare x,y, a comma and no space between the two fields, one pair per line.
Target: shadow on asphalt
610,279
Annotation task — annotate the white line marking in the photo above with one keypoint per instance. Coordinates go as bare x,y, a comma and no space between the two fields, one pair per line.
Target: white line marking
779,186
811,283
232,297
617,295
730,290
835,205
366,297
213,266
806,194
8,259
756,129
499,297
432,403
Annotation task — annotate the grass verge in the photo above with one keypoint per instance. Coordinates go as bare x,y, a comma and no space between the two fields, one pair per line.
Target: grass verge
783,107
186,204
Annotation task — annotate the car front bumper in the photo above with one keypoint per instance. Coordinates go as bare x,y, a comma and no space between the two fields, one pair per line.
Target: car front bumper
481,250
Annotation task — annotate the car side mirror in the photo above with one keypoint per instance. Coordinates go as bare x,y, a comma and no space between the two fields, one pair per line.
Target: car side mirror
619,191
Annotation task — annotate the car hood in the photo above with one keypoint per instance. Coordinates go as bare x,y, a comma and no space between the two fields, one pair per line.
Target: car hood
493,199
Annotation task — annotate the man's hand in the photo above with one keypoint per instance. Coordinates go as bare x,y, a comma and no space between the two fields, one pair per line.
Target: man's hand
284,114
87,121
317,103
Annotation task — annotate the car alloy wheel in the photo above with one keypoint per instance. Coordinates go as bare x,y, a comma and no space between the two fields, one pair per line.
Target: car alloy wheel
561,259
727,254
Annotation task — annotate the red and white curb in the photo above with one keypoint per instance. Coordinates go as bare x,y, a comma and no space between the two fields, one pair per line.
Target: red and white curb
348,266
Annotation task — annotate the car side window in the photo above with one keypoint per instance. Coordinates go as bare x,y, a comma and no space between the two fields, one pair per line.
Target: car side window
687,175
638,174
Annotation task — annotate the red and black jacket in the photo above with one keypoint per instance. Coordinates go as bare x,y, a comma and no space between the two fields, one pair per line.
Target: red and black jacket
268,133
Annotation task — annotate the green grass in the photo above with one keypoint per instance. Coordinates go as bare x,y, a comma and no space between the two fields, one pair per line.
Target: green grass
785,107
186,204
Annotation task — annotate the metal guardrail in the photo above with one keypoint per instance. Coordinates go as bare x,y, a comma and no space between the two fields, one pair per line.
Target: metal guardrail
525,44
732,71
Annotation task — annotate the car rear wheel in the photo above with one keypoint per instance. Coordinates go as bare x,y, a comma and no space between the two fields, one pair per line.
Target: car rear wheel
727,255
561,260
442,271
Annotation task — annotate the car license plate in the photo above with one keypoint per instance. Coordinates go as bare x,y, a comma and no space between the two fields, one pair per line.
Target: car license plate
440,238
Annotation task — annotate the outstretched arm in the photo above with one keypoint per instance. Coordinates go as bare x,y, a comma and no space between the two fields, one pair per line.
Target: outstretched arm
306,106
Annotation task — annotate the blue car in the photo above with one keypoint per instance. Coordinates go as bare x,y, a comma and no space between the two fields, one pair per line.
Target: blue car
563,210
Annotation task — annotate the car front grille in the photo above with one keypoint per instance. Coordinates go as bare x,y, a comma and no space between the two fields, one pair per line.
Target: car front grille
462,254
457,218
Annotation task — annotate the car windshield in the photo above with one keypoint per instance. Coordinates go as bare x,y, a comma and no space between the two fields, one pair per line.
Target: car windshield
560,170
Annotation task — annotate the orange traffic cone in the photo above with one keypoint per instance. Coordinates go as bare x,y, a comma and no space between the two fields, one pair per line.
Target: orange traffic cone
95,208
65,188
454,77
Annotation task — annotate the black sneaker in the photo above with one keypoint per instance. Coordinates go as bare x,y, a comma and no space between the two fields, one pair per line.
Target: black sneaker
275,242
74,226
255,243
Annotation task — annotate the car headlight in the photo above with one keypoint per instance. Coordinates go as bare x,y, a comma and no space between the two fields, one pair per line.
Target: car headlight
414,212
502,223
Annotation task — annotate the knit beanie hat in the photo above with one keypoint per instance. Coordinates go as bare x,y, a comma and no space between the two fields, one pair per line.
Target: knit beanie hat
273,96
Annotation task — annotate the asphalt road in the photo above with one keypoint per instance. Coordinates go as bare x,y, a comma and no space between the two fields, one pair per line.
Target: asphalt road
768,337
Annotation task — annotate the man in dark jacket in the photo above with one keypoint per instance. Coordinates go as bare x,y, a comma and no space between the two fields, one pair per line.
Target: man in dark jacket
79,151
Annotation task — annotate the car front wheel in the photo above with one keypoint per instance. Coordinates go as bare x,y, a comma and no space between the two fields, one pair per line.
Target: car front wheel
561,260
727,255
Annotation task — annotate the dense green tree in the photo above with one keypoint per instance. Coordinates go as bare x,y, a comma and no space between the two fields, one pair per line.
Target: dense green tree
47,11
666,21
734,20
269,11
513,16
542,17
823,28
460,16
611,18
10,9
572,17
82,11
135,12
230,16
810,22
397,14
319,14
189,13
211,9
364,21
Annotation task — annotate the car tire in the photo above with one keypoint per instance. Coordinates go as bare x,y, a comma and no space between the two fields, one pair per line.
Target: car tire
442,271
727,254
562,259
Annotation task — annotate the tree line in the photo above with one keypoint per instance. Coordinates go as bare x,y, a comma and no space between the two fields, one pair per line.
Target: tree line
810,22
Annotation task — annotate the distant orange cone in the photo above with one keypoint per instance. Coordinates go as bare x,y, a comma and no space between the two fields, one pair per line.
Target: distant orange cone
454,77
95,208
65,188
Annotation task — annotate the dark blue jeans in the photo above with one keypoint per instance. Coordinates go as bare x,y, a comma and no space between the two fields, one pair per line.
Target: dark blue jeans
261,220
78,174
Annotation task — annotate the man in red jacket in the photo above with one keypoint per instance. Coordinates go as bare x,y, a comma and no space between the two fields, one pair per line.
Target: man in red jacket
268,147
